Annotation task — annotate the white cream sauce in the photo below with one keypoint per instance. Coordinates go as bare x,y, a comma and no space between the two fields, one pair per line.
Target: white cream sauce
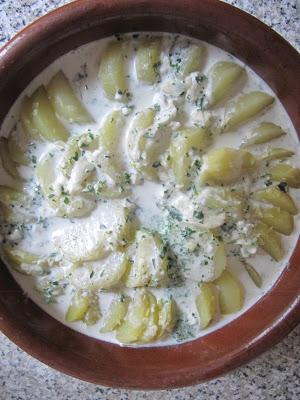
81,67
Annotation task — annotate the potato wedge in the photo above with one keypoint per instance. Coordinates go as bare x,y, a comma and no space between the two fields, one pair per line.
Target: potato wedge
27,123
263,133
277,153
281,221
7,162
270,241
44,118
167,317
254,275
112,71
285,173
116,313
64,101
226,165
78,307
231,293
206,303
245,107
276,197
222,76
147,61
135,322
185,141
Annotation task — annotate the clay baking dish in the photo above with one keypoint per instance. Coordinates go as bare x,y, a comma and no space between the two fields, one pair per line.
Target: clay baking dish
273,316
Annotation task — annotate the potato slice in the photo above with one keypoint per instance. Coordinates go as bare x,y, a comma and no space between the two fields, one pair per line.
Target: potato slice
185,141
112,71
135,322
103,274
231,293
27,123
245,107
222,76
254,275
75,146
191,60
167,317
263,133
16,258
285,173
226,165
82,242
147,61
277,153
93,313
270,241
64,102
137,138
276,197
151,329
280,220
149,261
206,303
17,154
116,313
7,162
78,307
44,118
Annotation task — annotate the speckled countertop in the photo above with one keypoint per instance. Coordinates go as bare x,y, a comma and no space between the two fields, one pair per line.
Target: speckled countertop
274,375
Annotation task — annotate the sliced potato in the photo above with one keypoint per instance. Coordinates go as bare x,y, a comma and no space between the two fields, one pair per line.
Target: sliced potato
78,307
277,153
7,162
93,313
135,322
270,241
109,136
151,329
231,293
44,118
254,275
281,221
191,60
222,76
245,107
226,165
82,242
17,154
147,61
116,313
285,173
64,102
26,116
112,70
185,141
263,133
149,261
276,197
206,303
167,317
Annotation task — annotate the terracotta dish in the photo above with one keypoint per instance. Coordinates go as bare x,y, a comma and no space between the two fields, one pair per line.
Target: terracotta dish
263,325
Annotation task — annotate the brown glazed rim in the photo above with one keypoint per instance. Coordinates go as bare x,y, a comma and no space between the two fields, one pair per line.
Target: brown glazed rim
264,324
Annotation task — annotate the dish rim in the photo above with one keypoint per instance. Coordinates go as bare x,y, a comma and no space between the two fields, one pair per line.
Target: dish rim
286,314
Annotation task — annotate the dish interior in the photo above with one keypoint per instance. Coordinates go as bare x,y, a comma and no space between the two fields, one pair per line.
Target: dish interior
149,189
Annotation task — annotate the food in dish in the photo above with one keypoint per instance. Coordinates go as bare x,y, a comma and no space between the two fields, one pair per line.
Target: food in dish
149,189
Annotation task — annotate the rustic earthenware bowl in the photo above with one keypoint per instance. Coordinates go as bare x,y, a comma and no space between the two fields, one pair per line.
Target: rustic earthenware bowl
273,316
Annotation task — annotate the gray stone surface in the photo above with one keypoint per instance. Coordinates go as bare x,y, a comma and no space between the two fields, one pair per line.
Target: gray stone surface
274,375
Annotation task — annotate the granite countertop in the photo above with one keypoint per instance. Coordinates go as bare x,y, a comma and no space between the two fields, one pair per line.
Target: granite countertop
274,375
